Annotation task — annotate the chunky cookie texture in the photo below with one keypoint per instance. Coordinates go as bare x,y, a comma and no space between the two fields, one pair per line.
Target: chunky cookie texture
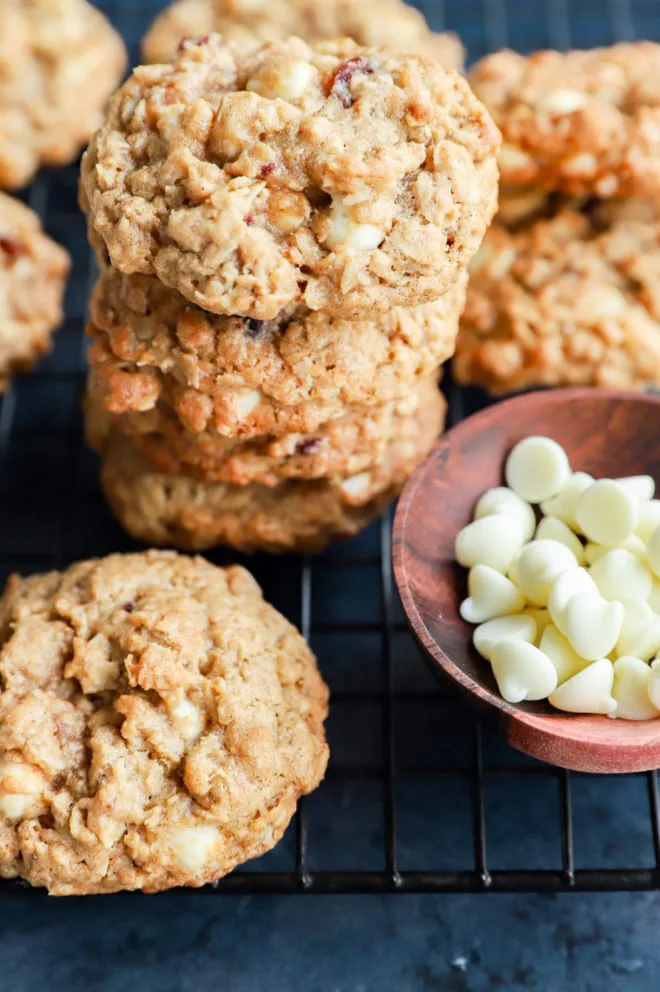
33,273
156,354
566,301
59,62
178,510
581,121
158,723
375,23
344,446
342,178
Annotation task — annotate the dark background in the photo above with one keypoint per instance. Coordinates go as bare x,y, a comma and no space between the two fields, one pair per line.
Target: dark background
407,759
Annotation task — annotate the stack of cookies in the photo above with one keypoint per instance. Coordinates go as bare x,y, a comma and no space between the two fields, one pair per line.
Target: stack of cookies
565,288
284,234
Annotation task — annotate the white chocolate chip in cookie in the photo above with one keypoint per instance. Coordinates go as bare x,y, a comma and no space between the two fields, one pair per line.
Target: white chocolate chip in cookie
289,85
245,401
21,786
187,719
356,485
192,846
345,233
562,101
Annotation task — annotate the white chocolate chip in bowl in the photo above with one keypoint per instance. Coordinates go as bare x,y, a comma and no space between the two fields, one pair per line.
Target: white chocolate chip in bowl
487,635
491,595
607,512
504,500
631,690
494,540
522,671
537,469
604,436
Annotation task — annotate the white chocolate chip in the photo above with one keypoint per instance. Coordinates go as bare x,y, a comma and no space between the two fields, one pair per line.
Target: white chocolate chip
537,469
539,565
583,164
504,500
565,586
592,625
563,505
607,512
287,86
344,233
654,598
512,158
192,846
244,401
567,662
590,691
632,678
562,101
491,595
494,540
541,618
187,719
641,486
21,786
640,630
522,671
356,485
621,575
633,544
488,634
554,529
653,687
649,519
653,549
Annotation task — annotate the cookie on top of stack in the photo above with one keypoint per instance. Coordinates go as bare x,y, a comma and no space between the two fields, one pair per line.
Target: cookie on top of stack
564,288
284,233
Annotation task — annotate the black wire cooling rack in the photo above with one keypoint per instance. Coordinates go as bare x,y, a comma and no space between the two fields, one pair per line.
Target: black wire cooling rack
419,797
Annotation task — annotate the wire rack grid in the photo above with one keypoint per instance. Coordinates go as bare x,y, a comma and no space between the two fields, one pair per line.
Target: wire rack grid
420,796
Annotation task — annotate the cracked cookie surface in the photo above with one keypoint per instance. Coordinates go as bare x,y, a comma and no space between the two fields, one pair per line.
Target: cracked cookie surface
158,723
33,273
583,122
156,354
376,23
570,300
59,62
346,179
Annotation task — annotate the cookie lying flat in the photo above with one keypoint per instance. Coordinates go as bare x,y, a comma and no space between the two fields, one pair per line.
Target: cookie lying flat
180,511
158,723
341,178
344,446
59,62
33,273
566,301
377,23
243,378
580,122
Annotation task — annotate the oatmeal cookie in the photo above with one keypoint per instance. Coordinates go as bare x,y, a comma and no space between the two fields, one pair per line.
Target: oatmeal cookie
158,723
344,446
376,23
180,511
571,300
579,122
33,273
59,62
346,179
238,377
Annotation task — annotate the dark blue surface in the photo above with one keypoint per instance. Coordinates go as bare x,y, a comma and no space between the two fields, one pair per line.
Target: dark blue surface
187,941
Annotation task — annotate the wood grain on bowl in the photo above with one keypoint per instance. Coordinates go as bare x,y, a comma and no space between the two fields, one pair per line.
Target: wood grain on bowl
604,432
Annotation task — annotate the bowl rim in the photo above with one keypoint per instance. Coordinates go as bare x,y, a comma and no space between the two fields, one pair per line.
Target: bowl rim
525,730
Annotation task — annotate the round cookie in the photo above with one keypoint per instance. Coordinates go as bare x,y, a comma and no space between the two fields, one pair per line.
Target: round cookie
344,446
241,378
180,511
59,62
572,300
158,723
580,122
346,179
376,23
33,273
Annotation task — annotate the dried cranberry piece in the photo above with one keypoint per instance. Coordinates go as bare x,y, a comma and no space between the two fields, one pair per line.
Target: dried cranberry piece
307,446
190,40
341,85
10,248
249,220
254,328
129,607
267,169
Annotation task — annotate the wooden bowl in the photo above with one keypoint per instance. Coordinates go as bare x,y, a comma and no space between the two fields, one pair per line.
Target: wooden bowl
604,432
